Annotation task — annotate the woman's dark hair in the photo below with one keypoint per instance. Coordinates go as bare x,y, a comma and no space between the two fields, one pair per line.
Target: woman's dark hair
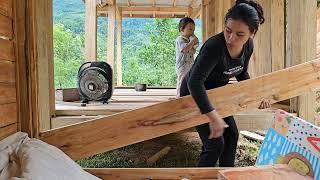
248,11
184,21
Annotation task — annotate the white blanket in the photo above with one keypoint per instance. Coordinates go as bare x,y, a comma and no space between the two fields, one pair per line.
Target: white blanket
22,158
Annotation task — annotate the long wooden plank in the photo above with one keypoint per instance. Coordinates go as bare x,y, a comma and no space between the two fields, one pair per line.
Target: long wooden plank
6,27
7,50
8,130
7,93
91,137
6,8
7,71
8,114
155,173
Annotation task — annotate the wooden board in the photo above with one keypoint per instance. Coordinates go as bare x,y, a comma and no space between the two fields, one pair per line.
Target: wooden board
6,8
252,135
155,173
69,94
7,93
7,72
92,137
7,50
8,130
8,114
6,27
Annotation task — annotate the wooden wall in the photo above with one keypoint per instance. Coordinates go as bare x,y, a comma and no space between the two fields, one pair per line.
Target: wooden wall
8,101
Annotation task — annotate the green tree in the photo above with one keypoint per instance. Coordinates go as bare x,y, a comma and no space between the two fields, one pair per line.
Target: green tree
155,62
68,56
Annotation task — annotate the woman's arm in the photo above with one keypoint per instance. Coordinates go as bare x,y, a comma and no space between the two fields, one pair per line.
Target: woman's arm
204,64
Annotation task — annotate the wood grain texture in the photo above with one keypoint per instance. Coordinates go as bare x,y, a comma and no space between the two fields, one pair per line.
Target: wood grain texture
95,136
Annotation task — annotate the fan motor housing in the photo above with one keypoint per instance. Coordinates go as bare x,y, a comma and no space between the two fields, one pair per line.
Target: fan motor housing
95,81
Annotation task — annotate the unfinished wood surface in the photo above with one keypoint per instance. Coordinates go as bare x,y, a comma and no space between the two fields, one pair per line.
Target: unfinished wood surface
251,121
7,50
7,72
90,31
69,94
213,17
153,159
7,93
252,135
97,108
23,110
254,120
119,50
92,137
40,56
274,172
8,114
277,27
155,173
111,36
301,47
8,130
62,121
203,21
270,40
6,8
149,92
6,27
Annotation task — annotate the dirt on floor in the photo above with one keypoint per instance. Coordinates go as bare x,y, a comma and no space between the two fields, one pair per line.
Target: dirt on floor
185,149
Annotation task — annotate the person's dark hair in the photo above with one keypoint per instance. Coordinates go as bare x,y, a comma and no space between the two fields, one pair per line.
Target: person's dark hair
248,11
184,21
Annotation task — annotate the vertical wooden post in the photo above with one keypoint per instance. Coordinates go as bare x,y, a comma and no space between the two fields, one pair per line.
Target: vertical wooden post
24,113
119,49
301,47
40,57
204,21
111,34
91,31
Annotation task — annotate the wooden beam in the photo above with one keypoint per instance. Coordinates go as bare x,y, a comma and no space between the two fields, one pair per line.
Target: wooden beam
24,113
155,173
119,51
111,35
40,57
90,31
196,13
204,21
92,137
152,15
301,47
155,9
